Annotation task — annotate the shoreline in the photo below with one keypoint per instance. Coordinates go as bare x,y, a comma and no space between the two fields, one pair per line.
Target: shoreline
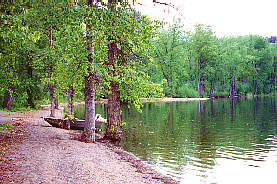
143,100
48,154
166,99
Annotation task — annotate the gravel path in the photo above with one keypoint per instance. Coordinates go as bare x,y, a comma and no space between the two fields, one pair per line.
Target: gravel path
39,153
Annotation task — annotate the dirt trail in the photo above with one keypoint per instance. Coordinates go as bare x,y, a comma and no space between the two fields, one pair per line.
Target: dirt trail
39,153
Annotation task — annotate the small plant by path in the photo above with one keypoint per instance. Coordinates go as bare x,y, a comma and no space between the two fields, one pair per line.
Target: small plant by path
3,128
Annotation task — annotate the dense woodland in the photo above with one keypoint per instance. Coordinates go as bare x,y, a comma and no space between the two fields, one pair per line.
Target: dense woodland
53,51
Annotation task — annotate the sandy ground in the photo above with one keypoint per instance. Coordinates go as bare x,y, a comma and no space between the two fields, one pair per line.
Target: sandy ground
39,153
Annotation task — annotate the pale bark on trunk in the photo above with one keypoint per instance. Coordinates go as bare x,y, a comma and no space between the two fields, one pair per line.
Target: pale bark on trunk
199,87
89,130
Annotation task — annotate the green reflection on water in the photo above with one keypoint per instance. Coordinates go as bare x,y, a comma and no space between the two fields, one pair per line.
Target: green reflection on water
190,138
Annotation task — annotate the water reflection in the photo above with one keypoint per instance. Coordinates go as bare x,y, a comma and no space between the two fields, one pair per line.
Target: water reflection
214,141
192,141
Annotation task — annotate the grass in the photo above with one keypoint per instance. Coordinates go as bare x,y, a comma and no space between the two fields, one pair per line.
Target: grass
4,126
5,113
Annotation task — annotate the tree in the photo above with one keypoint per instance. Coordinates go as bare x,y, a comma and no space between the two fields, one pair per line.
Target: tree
17,51
127,38
169,55
261,60
234,61
43,17
203,51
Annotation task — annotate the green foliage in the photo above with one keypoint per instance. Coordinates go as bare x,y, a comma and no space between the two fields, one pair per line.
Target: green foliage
169,58
45,43
186,91
4,126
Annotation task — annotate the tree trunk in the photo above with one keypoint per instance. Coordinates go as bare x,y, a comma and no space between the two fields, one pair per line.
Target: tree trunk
113,131
195,83
70,100
199,87
52,108
198,79
211,90
234,85
8,100
168,83
56,102
89,130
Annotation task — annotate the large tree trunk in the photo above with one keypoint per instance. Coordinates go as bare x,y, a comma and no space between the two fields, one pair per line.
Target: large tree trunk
70,100
8,100
89,130
113,131
52,108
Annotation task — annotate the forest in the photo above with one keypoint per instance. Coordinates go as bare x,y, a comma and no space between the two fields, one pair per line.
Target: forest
63,51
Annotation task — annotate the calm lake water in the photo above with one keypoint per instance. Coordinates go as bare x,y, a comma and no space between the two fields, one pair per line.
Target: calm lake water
218,141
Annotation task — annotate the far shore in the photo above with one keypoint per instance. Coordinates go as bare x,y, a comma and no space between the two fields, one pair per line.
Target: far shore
166,99
143,100
169,99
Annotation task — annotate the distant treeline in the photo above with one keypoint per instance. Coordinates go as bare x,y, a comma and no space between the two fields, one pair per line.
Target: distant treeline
197,63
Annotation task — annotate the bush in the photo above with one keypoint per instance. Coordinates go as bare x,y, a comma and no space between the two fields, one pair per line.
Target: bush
185,91
221,93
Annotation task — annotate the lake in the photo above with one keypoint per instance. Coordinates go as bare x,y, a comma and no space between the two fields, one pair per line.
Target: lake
220,141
